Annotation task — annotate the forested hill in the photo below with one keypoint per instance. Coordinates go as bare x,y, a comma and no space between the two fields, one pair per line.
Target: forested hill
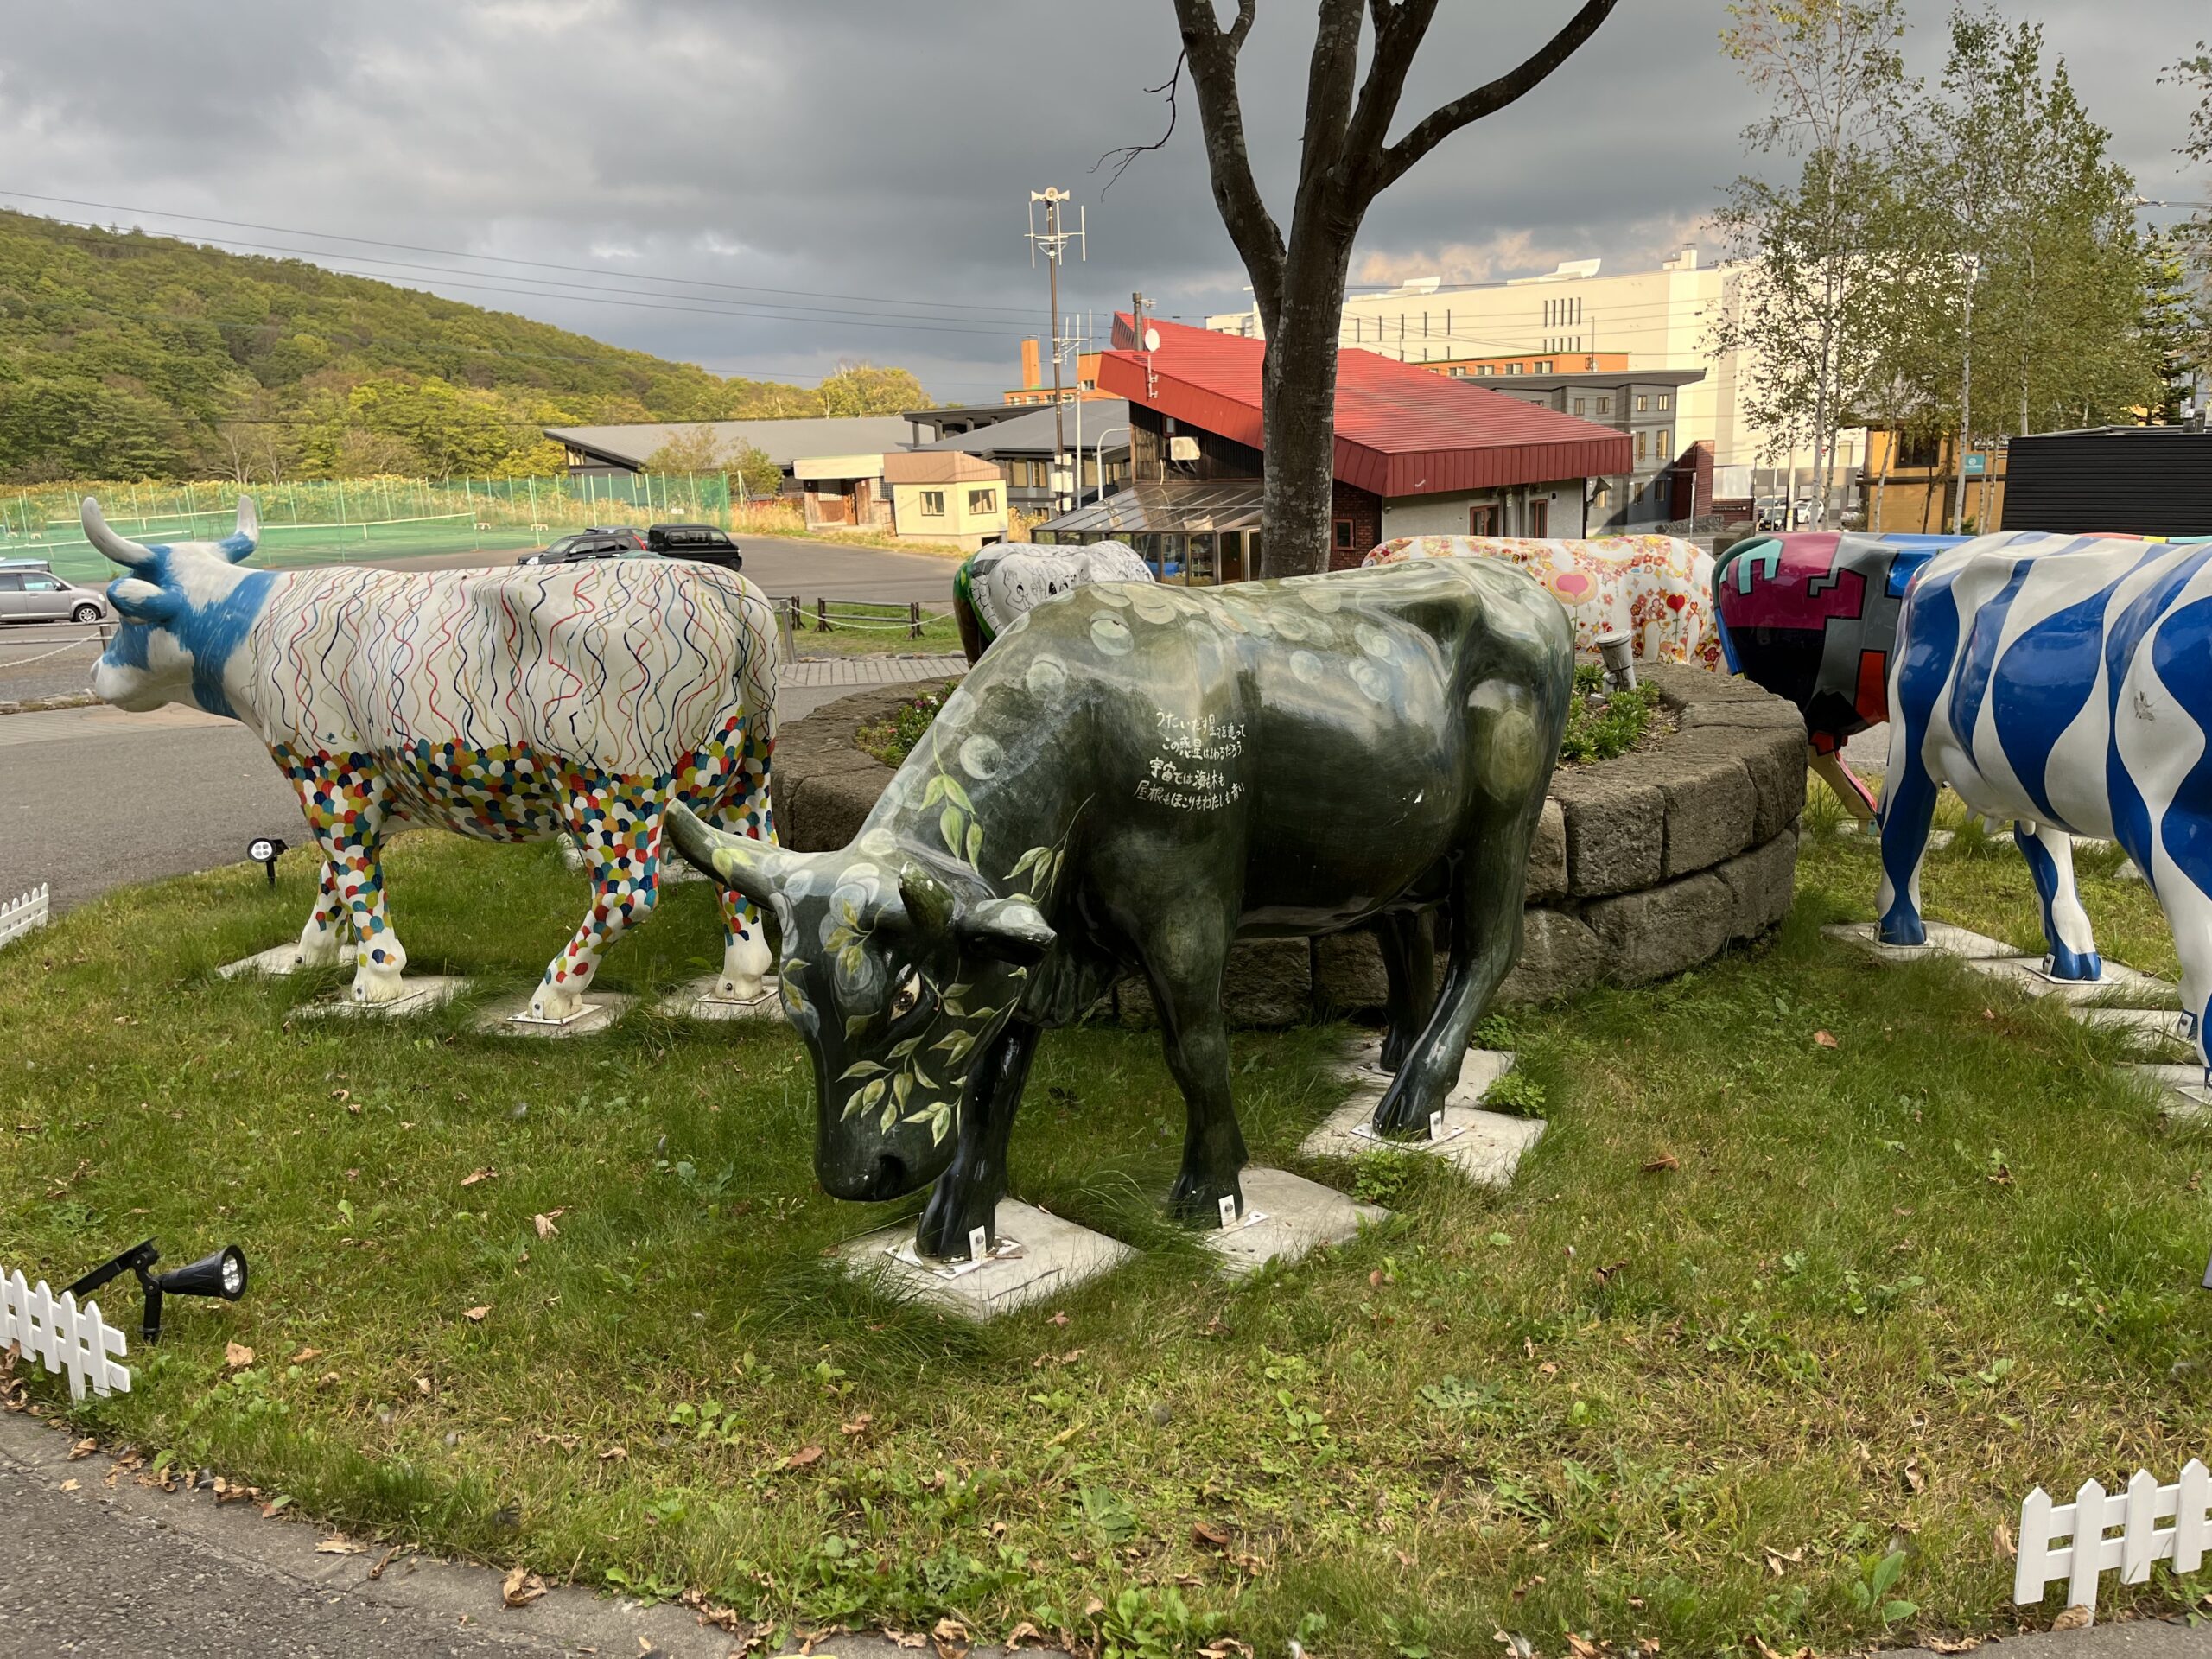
126,356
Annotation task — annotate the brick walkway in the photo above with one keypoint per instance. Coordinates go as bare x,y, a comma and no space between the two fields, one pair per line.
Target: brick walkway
869,671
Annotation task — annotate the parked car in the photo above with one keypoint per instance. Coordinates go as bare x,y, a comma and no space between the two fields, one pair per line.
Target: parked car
38,595
598,544
702,543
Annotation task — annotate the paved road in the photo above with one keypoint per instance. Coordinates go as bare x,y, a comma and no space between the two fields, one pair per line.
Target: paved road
91,798
46,659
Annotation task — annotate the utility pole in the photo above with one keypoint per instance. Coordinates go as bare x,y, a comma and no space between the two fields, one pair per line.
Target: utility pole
1966,404
1053,241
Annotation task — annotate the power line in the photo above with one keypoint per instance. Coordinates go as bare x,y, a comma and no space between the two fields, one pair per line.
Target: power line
495,258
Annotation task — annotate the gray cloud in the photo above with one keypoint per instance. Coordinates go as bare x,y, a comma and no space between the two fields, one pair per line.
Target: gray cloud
859,152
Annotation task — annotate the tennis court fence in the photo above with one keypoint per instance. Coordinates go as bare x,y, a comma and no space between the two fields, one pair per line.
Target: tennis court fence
322,521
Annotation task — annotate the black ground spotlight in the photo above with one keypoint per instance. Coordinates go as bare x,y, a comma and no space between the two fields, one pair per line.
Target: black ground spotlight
265,850
223,1273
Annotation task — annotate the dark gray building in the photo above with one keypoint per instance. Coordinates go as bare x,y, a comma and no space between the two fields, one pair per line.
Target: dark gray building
1663,484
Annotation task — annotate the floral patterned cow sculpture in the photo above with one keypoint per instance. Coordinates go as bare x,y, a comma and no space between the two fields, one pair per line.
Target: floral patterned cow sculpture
1657,590
523,704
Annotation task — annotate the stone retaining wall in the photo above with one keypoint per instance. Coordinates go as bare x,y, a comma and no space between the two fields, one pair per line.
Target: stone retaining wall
1642,866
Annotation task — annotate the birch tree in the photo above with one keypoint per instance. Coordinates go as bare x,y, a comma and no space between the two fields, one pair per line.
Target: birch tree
1832,74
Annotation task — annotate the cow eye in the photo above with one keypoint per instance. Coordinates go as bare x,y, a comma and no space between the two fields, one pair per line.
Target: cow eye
904,1000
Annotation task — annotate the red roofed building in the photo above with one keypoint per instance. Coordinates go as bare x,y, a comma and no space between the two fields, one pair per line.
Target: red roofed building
1416,454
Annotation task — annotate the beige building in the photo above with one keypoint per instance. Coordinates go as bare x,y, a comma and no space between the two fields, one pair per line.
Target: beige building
946,495
844,491
1573,319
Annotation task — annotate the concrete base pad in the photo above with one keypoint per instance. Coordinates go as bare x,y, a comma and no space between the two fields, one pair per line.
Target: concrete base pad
509,1016
2152,1025
417,995
275,962
1477,1070
1943,940
2181,1089
1485,1147
2118,982
1286,1216
697,1001
1040,1256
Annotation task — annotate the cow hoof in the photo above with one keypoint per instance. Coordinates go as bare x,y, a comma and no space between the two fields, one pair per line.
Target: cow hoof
750,988
377,988
1197,1202
1397,1116
556,1003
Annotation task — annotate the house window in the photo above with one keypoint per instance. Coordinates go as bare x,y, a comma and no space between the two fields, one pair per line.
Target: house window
1643,403
1665,451
1642,440
932,504
1539,517
983,501
1544,367
1605,405
1513,368
1483,520
1344,534
1666,400
1485,369
1582,405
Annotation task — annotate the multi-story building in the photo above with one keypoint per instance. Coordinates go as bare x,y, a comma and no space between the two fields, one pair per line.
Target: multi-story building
1580,319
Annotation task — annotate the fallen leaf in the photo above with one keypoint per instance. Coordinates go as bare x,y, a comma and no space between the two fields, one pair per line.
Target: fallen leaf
1206,1535
2002,1538
1225,1647
72,1485
800,1459
422,1385
1964,1644
340,1546
2075,1617
913,1638
1603,1274
275,1507
1776,1561
1524,1588
1022,1632
341,1094
475,1315
521,1588
236,1354
1825,1038
385,1560
858,1425
949,1637
84,1448
1060,1318
1664,1161
304,1355
476,1175
1914,1480
1580,1647
615,1454
544,1225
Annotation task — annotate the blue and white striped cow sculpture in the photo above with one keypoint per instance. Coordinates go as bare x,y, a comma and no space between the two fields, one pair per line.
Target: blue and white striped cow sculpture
2065,683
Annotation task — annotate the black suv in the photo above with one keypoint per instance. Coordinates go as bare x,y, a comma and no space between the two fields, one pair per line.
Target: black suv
598,544
701,543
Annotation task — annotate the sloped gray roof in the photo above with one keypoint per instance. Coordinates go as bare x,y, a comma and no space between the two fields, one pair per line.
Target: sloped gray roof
1032,433
783,441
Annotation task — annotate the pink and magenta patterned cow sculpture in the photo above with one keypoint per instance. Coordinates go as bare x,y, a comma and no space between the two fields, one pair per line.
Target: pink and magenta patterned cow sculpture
523,704
1656,589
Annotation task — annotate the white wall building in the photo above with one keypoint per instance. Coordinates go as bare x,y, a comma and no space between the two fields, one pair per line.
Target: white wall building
1662,319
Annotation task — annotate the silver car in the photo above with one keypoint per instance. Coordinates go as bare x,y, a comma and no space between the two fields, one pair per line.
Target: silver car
41,596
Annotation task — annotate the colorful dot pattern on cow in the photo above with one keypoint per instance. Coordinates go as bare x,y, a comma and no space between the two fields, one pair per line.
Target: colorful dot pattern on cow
1657,590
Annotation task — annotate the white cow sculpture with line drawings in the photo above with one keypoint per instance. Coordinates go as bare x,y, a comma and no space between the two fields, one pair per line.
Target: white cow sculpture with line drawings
521,704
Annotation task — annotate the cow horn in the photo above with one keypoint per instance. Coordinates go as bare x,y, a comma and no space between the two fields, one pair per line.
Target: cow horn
240,543
753,870
124,551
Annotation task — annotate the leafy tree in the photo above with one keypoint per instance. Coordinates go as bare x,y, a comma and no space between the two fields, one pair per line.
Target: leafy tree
1345,161
864,389
2194,237
1811,312
697,450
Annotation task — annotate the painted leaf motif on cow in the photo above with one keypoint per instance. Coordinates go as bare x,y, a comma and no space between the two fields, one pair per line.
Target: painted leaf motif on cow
861,1069
949,824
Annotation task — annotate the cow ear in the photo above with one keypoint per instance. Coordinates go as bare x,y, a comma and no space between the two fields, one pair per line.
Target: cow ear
1012,930
753,870
141,602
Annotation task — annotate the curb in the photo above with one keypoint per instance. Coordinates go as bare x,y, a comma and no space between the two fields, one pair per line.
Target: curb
40,705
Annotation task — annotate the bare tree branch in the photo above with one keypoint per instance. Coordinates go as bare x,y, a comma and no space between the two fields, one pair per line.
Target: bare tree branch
1488,100
1399,30
1211,51
1129,152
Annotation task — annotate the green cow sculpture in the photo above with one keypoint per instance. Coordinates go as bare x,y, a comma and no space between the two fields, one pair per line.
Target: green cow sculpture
1133,778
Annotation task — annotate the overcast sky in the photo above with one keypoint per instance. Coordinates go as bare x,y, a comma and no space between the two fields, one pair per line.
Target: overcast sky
845,179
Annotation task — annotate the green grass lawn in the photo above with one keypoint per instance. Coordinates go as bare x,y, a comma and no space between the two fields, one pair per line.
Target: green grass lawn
1757,1313
886,632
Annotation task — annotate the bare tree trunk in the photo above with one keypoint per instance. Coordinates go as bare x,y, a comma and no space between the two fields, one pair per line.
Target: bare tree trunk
1882,483
1299,394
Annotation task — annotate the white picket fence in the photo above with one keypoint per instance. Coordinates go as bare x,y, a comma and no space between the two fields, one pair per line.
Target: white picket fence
2073,1541
19,916
65,1337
